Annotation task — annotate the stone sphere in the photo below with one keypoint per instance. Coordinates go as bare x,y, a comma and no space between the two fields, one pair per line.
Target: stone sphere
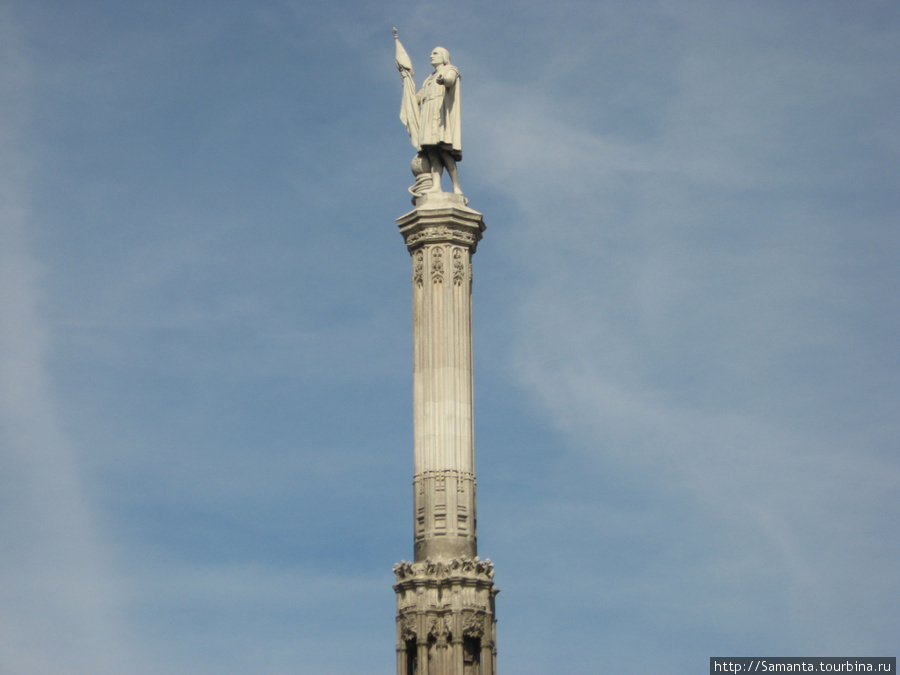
420,165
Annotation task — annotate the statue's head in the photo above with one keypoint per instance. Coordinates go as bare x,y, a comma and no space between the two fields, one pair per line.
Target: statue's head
440,56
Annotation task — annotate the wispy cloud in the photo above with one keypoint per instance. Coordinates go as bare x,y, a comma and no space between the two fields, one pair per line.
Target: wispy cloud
59,600
689,316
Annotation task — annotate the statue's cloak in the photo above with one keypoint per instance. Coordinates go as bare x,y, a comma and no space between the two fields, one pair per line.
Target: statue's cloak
439,117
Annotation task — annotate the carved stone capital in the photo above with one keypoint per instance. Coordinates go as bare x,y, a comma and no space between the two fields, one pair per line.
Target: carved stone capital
442,219
407,626
439,628
473,624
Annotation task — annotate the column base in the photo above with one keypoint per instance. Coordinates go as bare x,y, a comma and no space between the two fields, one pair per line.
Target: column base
445,617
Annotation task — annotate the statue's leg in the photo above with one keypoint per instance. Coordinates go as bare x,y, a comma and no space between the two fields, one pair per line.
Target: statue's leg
437,168
451,169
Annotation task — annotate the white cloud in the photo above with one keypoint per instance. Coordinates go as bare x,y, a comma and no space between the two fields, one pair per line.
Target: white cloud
58,611
687,313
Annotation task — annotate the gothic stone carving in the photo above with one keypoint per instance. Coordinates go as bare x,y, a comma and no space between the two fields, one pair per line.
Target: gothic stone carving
440,234
459,268
419,267
437,265
473,624
438,629
436,569
408,626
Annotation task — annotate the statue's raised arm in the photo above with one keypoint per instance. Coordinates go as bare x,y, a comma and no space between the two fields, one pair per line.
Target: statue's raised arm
401,58
409,106
432,118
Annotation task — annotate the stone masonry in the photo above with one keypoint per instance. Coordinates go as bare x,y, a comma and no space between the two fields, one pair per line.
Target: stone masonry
445,597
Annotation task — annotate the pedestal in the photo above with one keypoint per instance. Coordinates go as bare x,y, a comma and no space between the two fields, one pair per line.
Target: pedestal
445,617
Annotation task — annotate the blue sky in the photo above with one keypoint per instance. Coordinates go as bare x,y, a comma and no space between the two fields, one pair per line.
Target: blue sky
686,315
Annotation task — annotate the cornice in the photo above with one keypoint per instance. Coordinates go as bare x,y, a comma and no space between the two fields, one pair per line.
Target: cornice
442,220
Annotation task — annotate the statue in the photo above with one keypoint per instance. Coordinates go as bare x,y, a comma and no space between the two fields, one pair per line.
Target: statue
431,117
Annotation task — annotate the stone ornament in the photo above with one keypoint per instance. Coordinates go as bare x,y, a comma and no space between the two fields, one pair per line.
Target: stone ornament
408,626
473,624
439,234
437,265
418,267
437,569
439,629
459,267
432,119
442,219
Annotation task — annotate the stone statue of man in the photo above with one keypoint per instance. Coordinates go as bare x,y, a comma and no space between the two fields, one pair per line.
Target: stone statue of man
432,118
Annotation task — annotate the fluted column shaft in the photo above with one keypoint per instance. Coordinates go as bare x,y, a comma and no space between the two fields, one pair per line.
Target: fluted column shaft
441,241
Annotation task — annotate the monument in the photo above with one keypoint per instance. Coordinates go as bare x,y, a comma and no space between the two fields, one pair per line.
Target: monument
445,597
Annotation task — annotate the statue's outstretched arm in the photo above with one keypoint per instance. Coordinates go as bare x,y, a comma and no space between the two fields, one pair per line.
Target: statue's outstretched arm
448,76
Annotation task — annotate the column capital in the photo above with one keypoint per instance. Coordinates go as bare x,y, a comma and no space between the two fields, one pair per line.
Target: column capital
441,218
